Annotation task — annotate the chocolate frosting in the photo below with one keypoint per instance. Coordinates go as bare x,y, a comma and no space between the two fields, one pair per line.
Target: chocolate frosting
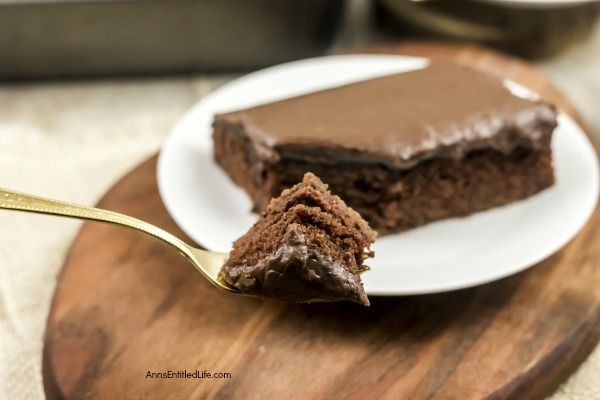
444,110
297,272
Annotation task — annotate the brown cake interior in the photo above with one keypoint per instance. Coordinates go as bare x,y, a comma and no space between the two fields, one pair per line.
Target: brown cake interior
392,199
397,200
307,246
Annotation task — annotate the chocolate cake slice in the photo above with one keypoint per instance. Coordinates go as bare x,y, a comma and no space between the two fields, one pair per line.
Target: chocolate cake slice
307,246
402,150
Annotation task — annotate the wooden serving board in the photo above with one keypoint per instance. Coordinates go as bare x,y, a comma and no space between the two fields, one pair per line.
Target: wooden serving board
126,305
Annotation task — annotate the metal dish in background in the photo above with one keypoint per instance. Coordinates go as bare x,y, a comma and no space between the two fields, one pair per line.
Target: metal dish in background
528,28
49,38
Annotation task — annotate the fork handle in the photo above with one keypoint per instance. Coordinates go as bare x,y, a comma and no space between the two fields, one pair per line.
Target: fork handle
11,200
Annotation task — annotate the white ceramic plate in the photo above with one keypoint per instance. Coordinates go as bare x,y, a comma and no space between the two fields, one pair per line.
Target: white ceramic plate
442,256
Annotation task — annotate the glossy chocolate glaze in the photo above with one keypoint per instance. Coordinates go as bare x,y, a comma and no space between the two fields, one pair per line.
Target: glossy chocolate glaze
444,110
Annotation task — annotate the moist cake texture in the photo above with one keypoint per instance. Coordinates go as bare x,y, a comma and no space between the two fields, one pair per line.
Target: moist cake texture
307,246
402,150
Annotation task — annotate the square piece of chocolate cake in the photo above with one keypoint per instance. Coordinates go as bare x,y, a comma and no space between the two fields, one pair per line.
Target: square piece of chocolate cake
307,246
402,150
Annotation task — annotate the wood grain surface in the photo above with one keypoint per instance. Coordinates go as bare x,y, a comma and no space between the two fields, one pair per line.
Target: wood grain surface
126,305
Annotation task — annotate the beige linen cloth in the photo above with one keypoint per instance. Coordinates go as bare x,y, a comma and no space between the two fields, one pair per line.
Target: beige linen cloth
73,140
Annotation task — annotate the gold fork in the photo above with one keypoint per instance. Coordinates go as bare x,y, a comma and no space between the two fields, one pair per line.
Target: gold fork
209,263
